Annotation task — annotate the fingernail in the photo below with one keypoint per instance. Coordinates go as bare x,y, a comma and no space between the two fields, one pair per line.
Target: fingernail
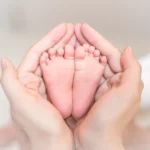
2,63
59,45
129,50
0,68
56,47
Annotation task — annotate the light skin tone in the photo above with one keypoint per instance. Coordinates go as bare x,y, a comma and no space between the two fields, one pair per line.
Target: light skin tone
87,35
24,72
115,100
38,124
134,137
67,71
29,71
98,128
80,107
29,75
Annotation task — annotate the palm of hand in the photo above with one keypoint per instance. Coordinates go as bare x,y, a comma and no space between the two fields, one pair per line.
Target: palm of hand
33,108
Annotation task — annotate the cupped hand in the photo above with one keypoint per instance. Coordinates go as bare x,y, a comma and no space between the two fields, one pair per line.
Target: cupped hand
29,72
87,35
38,124
112,112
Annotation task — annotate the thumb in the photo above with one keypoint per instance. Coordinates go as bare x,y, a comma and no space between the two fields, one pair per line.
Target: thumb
131,68
8,70
9,80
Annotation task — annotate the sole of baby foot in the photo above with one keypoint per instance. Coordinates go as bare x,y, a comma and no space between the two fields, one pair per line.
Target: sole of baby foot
89,68
58,72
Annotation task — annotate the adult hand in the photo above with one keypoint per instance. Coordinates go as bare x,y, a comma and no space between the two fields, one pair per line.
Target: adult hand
104,125
38,124
29,72
87,35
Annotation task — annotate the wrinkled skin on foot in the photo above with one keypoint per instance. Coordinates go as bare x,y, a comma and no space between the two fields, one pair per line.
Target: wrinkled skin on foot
58,72
89,68
67,71
86,35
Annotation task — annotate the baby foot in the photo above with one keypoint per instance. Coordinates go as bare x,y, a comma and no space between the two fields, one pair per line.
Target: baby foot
89,68
58,72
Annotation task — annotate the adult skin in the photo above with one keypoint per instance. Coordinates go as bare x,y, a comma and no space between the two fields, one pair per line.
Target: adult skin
29,71
29,74
86,34
38,124
102,43
37,120
104,125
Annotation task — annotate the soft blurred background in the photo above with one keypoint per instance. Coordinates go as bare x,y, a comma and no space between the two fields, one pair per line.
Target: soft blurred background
124,23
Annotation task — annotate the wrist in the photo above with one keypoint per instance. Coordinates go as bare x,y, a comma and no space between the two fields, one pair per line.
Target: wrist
99,140
111,146
109,141
101,145
53,143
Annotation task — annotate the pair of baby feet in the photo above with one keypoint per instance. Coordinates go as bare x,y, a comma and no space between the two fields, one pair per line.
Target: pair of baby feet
71,77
